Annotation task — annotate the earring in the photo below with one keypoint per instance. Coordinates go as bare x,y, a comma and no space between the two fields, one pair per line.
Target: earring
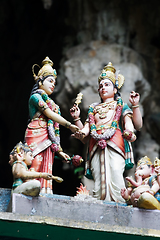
40,84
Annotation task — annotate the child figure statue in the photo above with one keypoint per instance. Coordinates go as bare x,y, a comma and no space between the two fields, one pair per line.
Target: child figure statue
42,134
110,129
143,192
24,180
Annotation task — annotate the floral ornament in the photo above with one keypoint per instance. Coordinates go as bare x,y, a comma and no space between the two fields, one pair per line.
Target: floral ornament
56,148
102,144
76,160
53,127
110,131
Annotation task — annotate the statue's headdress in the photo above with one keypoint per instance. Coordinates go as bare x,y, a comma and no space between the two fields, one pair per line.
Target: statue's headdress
20,146
110,72
144,160
45,71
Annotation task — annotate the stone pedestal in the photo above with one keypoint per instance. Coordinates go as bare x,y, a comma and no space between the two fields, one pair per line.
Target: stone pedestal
90,210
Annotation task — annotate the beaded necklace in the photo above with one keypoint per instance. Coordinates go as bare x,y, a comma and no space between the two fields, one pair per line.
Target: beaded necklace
110,131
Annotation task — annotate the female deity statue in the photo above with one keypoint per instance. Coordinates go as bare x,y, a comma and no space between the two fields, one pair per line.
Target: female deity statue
42,134
110,130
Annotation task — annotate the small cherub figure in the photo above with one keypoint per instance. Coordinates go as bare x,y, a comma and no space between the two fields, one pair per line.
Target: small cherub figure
144,190
24,180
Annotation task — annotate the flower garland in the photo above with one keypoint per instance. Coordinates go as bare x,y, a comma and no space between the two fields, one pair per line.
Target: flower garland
110,131
53,127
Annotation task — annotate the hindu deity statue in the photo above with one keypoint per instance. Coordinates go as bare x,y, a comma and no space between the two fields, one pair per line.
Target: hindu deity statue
144,192
42,134
109,128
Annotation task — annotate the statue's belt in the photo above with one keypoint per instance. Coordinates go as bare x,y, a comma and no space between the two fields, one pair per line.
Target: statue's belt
42,146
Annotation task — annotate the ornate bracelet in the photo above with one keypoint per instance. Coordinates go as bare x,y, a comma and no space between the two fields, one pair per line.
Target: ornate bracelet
68,124
136,106
76,119
128,199
60,149
152,191
40,175
158,174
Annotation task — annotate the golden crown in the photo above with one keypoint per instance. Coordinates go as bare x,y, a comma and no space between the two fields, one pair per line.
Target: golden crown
110,72
21,146
144,160
46,69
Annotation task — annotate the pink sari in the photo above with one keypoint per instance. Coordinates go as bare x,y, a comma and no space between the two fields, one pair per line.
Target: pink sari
37,133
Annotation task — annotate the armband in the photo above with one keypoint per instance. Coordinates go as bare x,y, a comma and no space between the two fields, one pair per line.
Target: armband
42,105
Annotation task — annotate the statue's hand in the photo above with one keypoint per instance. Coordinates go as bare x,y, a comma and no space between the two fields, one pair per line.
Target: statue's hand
79,135
157,169
65,156
124,193
73,128
129,135
75,112
151,192
129,179
47,176
134,98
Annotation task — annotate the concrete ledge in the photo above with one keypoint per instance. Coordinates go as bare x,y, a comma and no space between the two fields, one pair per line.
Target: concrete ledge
41,228
93,212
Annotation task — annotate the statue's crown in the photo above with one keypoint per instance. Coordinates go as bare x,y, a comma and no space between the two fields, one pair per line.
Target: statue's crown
45,71
109,72
144,160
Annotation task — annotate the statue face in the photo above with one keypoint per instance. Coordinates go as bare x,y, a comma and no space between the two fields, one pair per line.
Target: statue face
28,158
48,85
143,170
106,89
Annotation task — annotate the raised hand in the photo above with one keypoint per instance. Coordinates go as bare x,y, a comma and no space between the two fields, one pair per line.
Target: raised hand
134,98
75,112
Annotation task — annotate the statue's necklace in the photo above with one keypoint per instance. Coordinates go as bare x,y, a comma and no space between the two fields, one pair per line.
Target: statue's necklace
110,131
103,108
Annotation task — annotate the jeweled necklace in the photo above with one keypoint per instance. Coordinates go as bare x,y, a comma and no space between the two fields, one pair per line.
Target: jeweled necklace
110,131
103,108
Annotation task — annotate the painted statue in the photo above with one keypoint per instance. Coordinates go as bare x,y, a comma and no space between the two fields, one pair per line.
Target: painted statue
144,191
42,134
25,182
110,128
